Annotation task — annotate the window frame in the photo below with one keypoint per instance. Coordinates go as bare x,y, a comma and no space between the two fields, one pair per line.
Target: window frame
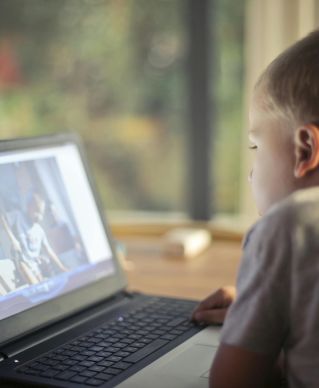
200,205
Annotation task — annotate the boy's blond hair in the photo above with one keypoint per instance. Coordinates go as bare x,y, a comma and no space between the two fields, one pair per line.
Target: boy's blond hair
290,84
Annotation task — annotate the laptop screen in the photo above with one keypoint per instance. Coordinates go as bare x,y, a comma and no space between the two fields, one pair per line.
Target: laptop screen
52,239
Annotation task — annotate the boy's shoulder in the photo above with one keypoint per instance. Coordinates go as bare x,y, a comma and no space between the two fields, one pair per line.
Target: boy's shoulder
296,212
281,249
296,202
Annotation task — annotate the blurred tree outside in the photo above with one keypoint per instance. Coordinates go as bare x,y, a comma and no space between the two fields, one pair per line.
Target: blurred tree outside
227,90
115,71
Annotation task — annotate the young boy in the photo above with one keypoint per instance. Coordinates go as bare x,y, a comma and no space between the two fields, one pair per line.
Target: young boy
276,309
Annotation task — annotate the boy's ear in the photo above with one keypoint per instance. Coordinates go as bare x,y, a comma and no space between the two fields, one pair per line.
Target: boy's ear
306,149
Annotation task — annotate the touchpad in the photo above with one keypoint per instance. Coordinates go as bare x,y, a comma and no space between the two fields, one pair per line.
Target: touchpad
195,361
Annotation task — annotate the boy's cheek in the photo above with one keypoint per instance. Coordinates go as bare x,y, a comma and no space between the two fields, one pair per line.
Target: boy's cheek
259,200
250,176
261,189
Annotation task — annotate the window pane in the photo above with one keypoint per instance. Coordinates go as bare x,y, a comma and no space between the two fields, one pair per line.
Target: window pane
113,70
227,88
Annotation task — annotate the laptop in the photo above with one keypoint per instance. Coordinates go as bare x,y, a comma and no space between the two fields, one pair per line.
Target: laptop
66,317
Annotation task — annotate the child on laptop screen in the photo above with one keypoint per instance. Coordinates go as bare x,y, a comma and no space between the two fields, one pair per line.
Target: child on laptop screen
276,310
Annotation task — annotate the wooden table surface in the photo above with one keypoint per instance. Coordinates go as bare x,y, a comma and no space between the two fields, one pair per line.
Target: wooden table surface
194,278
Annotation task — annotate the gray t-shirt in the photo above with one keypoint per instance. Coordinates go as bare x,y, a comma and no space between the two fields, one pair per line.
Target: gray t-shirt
277,306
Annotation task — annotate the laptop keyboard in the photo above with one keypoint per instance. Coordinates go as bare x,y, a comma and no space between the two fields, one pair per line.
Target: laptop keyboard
104,353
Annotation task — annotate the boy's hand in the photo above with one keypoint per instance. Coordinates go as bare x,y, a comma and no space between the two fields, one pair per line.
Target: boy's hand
213,309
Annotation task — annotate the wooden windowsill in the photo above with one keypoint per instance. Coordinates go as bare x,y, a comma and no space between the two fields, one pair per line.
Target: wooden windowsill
154,225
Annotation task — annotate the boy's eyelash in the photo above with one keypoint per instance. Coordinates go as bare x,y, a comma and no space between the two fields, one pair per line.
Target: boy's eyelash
252,147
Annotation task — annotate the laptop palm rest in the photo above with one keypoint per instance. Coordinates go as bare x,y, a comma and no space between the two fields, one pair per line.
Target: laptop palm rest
186,366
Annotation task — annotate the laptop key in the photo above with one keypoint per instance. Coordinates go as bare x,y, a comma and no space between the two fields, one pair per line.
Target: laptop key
58,351
114,358
78,368
79,357
127,341
61,367
58,357
95,340
147,350
122,354
122,365
51,362
135,336
104,376
39,367
176,322
120,345
97,368
87,353
95,358
112,349
103,354
131,349
152,336
31,372
105,344
88,373
94,382
138,345
78,379
177,332
66,375
158,332
86,364
69,362
145,340
69,353
169,337
86,345
49,373
113,371
106,363
112,340
96,348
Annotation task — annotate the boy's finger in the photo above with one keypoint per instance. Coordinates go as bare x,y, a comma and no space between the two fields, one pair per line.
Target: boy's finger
210,316
207,303
210,302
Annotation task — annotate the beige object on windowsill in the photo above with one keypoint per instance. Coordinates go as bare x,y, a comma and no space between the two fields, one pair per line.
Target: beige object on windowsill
185,242
179,242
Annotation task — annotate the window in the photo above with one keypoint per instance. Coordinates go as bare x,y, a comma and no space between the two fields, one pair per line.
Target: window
117,72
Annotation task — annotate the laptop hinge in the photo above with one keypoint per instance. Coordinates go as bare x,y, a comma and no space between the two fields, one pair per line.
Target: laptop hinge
130,294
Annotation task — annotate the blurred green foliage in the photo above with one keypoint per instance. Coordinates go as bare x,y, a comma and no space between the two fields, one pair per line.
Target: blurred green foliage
229,21
115,71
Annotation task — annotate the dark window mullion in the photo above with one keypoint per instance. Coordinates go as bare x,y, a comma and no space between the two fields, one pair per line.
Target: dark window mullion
200,110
